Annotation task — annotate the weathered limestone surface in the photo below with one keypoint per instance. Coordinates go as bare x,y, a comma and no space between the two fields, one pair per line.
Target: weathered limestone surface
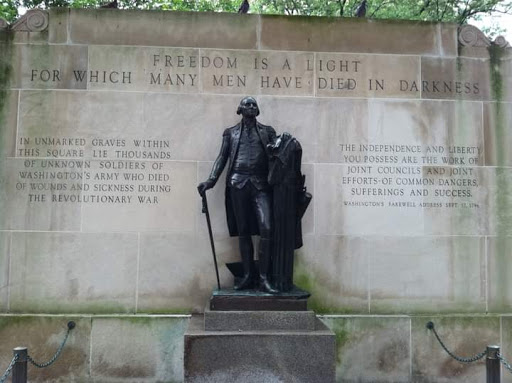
372,349
443,275
45,276
506,343
164,283
58,60
150,348
335,35
42,335
8,117
110,118
172,29
5,244
466,336
497,120
99,349
137,349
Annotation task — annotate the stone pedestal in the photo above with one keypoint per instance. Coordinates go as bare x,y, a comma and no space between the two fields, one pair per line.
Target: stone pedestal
227,346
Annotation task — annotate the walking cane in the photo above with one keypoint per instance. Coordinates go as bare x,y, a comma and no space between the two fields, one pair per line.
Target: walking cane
205,211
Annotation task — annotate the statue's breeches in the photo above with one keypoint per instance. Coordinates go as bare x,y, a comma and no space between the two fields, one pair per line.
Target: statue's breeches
248,204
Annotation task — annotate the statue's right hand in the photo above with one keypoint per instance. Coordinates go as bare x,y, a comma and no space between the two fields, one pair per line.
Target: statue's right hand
204,186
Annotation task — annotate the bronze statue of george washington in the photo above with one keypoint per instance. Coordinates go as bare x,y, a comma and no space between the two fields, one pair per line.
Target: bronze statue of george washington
248,194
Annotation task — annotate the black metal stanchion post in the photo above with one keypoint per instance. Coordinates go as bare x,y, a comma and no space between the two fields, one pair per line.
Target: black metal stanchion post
19,370
493,364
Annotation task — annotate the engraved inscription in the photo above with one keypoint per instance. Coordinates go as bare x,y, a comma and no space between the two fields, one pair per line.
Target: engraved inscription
410,176
192,70
94,170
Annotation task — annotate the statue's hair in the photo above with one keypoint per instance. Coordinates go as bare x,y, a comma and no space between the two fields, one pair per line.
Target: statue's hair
239,109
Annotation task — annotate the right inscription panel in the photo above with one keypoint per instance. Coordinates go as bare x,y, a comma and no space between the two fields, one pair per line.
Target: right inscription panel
407,168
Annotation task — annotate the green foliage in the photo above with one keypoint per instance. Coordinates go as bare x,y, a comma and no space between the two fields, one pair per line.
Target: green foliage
441,10
458,11
9,9
167,5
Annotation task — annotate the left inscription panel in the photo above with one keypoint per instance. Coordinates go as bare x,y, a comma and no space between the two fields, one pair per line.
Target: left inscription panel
81,165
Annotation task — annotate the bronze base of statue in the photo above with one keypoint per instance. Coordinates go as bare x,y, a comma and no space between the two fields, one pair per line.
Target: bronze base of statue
256,300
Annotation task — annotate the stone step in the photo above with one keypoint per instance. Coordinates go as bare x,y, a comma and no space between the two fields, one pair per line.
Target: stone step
258,320
259,356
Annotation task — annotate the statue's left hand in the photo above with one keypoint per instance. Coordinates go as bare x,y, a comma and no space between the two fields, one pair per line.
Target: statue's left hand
277,143
286,136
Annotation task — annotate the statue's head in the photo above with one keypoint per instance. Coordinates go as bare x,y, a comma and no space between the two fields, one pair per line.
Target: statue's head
248,107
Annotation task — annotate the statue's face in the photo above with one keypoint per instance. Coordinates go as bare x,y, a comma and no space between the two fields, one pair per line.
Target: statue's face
249,107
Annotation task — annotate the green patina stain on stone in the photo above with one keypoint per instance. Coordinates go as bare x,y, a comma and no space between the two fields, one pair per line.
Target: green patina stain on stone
10,321
6,69
499,133
31,322
304,279
42,101
461,136
52,306
6,53
501,279
167,310
4,266
341,328
6,43
458,62
145,320
342,337
305,282
137,320
503,212
495,54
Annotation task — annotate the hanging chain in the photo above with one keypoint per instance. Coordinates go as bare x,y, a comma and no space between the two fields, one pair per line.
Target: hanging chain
71,326
9,369
472,359
504,362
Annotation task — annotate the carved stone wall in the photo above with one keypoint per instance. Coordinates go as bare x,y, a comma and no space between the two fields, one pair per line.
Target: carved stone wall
110,118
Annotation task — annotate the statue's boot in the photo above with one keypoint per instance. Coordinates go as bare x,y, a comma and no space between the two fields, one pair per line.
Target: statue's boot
264,262
247,254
